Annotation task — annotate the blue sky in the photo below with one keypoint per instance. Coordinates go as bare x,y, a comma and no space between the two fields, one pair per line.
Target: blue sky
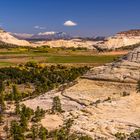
90,17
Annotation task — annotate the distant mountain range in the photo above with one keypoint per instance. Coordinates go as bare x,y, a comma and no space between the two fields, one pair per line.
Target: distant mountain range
52,36
123,39
42,36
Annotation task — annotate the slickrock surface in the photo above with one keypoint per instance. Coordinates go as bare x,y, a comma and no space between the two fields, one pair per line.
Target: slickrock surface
126,69
98,108
102,103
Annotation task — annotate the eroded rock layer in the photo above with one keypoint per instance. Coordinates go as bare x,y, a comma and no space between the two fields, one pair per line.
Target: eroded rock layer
127,69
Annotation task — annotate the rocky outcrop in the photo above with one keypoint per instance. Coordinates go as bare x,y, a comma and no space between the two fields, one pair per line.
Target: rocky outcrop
7,38
121,39
134,56
127,69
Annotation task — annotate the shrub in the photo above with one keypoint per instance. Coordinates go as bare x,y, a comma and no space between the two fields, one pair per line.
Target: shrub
120,136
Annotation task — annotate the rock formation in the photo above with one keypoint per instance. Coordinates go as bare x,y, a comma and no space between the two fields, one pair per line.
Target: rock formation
127,69
121,39
7,38
72,43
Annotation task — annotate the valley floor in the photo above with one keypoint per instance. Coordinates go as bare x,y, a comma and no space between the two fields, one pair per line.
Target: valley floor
14,56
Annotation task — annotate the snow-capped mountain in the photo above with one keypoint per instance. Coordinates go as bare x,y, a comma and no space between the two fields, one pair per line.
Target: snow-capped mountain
51,36
21,35
42,36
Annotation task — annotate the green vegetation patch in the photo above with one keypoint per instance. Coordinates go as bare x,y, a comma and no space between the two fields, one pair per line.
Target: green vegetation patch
81,59
6,64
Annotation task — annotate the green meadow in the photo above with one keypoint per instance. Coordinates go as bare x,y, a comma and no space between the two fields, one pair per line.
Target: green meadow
14,56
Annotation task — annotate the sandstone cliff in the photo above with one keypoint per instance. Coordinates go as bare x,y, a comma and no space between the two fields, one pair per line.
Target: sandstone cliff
121,39
7,38
127,69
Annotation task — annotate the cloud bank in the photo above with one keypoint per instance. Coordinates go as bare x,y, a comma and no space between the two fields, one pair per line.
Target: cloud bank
70,23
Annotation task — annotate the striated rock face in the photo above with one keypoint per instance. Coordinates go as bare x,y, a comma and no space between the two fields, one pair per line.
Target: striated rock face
130,33
127,69
7,38
121,39
134,56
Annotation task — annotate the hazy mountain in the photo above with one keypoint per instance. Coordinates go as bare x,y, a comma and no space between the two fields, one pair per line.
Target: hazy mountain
42,36
22,35
51,36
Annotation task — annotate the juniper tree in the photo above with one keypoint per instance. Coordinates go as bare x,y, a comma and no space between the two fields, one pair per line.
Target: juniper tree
43,132
16,94
16,131
138,86
17,109
39,114
56,107
34,131
1,117
2,103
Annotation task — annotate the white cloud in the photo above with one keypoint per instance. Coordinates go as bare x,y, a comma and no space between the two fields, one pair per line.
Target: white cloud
39,27
70,23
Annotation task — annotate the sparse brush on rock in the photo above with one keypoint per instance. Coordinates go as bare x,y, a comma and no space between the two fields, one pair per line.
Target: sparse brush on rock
42,78
132,136
125,94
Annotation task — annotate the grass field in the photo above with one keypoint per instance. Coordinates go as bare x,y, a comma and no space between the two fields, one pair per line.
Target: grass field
10,57
80,59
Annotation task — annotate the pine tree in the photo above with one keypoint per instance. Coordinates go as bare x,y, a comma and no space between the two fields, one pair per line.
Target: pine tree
43,132
2,103
56,105
23,122
34,130
138,86
16,131
1,117
2,87
39,114
17,109
16,94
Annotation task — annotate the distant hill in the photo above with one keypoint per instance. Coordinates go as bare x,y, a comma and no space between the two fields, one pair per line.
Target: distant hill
120,40
134,32
71,43
8,38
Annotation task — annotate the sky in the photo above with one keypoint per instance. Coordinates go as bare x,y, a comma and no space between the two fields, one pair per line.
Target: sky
76,17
